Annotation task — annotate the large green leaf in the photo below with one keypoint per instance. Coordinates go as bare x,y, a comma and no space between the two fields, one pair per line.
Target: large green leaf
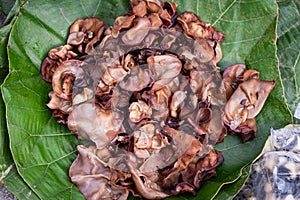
5,156
9,176
17,186
5,6
229,191
43,150
289,49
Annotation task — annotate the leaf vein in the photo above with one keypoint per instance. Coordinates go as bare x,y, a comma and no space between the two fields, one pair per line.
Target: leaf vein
295,74
223,13
246,20
49,163
96,10
289,29
65,18
83,8
242,41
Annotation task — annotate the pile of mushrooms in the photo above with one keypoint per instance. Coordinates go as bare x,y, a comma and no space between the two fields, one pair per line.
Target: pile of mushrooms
148,95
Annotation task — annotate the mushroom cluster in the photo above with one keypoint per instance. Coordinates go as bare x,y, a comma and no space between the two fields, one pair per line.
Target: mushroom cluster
246,95
148,94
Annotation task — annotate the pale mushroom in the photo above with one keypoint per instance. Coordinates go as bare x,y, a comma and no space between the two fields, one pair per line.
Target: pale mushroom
63,78
86,31
247,101
138,32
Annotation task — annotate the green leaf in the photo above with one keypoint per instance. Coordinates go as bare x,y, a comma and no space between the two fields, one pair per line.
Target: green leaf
43,150
5,6
289,49
228,191
9,175
5,156
16,185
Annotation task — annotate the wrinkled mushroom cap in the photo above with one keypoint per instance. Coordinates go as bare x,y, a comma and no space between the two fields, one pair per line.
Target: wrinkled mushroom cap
55,57
247,101
105,126
92,175
231,75
88,30
63,77
138,32
194,27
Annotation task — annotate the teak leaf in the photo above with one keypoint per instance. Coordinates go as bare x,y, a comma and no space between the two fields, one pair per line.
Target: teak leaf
43,150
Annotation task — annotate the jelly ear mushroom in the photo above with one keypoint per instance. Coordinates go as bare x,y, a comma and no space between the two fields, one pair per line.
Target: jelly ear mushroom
136,34
247,101
105,126
230,77
86,31
163,68
155,20
194,27
120,23
247,130
47,69
139,8
57,103
92,175
155,6
54,58
142,187
168,11
63,78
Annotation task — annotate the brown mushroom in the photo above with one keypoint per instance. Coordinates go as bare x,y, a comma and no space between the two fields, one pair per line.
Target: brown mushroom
248,74
247,101
176,103
164,68
86,32
137,80
138,111
167,18
92,175
155,6
120,23
155,20
170,8
138,32
47,69
143,188
247,130
55,57
113,75
167,41
230,77
203,50
105,126
218,52
201,83
139,8
63,78
129,62
61,117
57,103
194,27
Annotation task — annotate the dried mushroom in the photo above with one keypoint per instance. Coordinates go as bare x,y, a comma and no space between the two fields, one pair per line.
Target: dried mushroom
84,33
106,124
246,101
55,57
151,100
194,27
92,175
